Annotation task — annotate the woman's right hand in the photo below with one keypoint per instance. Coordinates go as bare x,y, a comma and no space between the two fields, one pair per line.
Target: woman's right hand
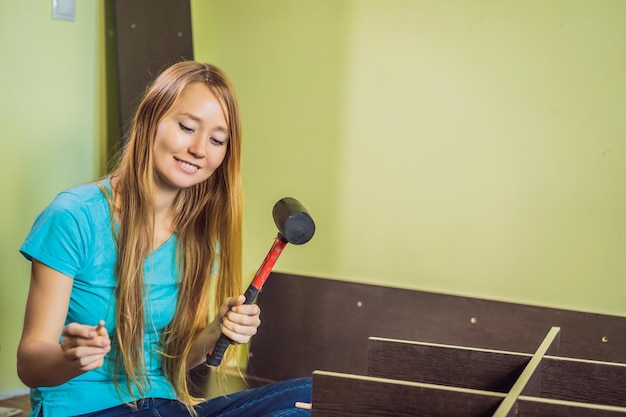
85,344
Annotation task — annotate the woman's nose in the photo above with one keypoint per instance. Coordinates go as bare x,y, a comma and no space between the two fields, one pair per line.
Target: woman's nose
197,148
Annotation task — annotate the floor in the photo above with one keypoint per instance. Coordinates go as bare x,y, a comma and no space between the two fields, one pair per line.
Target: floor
22,402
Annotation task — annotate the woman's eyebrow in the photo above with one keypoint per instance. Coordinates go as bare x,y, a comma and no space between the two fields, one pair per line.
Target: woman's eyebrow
191,116
222,129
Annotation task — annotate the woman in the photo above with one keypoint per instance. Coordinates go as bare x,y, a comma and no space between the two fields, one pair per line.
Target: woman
124,269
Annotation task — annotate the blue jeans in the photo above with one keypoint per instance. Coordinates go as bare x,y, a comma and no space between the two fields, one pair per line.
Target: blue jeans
272,400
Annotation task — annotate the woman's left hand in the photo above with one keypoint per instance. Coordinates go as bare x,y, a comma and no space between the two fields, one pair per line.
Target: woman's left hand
239,321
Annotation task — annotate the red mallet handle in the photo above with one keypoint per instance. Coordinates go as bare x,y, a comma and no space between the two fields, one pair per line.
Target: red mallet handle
295,226
214,358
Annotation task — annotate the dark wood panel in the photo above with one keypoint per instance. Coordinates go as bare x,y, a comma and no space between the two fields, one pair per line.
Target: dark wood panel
149,35
314,323
453,366
583,381
529,379
532,407
341,395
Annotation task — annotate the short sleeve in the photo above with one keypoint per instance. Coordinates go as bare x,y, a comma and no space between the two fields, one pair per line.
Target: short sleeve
59,236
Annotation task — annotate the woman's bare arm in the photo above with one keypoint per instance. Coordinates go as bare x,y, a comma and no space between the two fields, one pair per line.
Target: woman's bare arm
41,359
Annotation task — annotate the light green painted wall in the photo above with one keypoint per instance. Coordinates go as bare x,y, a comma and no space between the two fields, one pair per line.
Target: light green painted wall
49,113
468,147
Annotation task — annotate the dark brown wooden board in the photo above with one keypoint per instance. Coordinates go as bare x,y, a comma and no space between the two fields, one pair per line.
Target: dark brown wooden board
454,366
316,323
533,407
343,395
529,378
583,381
143,38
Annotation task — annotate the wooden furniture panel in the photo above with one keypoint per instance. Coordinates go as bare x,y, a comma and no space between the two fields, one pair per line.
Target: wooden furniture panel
537,407
316,323
583,381
529,379
545,385
432,354
453,366
343,395
143,38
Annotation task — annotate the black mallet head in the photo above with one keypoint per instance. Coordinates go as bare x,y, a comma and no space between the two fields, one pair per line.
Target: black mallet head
294,223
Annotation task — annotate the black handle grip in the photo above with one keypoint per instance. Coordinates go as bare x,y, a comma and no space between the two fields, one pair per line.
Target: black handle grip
214,358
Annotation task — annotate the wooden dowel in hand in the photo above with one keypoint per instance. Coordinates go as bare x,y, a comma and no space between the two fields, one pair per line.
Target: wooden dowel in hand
306,406
99,326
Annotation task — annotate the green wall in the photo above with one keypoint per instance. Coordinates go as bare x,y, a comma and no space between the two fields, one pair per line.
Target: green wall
49,113
469,147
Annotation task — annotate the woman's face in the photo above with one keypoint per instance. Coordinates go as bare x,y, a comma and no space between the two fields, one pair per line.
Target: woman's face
191,139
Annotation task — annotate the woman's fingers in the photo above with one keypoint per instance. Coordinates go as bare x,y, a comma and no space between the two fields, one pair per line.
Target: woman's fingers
84,354
236,335
75,330
82,331
89,362
241,322
230,303
85,345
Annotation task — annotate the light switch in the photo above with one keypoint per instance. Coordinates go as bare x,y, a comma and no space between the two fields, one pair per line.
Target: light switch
64,9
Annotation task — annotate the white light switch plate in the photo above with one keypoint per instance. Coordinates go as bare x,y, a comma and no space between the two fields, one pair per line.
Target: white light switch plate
64,9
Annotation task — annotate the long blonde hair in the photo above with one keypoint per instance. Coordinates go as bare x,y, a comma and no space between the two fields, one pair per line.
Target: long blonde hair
207,222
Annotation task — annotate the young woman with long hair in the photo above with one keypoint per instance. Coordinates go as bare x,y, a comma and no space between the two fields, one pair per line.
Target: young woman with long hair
136,275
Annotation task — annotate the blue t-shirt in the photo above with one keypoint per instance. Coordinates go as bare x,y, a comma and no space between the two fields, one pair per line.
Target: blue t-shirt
73,236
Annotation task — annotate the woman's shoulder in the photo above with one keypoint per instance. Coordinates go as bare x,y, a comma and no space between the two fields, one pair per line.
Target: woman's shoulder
64,233
84,194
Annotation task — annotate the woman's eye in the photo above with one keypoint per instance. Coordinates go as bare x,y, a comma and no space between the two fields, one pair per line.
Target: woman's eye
185,128
217,142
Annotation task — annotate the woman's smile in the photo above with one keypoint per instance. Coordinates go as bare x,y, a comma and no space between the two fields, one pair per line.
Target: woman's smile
187,166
